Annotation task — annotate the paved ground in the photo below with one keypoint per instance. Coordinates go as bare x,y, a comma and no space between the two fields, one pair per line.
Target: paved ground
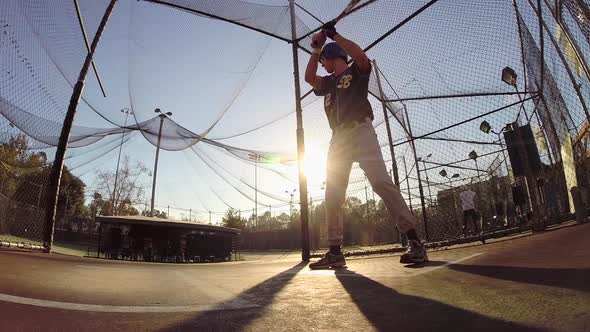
534,283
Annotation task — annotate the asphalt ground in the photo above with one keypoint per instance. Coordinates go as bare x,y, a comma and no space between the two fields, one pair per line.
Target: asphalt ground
539,282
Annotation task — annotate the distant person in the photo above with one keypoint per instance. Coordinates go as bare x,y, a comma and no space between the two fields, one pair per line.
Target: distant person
467,198
350,117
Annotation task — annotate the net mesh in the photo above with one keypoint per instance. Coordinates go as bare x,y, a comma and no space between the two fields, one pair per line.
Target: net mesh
225,72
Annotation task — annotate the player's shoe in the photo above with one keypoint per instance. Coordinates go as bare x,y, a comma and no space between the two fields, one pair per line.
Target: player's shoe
416,253
329,261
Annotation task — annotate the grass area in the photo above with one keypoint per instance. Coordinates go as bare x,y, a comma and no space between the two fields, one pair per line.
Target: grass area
74,249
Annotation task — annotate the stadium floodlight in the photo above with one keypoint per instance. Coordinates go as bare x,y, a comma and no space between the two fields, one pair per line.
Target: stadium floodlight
443,173
456,175
157,110
509,76
473,155
485,127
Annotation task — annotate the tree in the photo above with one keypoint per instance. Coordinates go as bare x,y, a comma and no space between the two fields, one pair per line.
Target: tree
129,190
157,214
233,220
16,162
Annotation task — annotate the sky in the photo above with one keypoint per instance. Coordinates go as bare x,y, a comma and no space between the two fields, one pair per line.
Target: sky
153,56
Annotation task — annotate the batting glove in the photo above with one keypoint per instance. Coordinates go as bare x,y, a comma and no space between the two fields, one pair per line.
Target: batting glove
329,29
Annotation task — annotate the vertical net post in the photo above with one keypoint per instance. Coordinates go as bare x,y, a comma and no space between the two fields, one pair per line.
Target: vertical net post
420,187
387,125
58,163
305,253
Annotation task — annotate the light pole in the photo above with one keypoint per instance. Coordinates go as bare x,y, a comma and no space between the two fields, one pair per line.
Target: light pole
473,155
367,202
487,128
162,117
408,183
509,77
256,158
444,174
291,193
127,111
423,160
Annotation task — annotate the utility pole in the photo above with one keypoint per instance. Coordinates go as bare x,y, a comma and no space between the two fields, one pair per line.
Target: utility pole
256,158
291,193
127,111
162,117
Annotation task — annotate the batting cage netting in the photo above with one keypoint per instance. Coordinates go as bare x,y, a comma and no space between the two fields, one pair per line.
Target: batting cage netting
470,99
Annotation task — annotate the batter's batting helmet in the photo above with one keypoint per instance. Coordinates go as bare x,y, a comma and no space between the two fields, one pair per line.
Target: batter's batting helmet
333,51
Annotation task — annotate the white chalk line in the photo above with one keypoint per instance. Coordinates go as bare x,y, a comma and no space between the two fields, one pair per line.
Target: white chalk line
231,305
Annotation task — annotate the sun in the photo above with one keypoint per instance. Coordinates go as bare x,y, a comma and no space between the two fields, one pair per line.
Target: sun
314,165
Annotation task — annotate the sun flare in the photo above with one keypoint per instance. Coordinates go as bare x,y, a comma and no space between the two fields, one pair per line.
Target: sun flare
314,165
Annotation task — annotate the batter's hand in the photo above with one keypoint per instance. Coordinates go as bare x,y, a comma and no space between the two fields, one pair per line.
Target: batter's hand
329,29
318,40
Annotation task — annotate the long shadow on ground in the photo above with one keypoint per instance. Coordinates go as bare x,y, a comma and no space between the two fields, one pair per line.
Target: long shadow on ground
576,279
389,310
262,295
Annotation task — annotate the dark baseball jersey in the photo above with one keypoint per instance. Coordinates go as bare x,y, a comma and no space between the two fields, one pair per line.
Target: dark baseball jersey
345,96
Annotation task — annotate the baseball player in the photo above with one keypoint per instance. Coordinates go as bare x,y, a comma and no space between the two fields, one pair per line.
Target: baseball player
353,139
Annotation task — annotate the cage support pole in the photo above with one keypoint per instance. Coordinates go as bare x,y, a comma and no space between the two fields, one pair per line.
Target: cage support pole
58,162
420,187
304,215
387,126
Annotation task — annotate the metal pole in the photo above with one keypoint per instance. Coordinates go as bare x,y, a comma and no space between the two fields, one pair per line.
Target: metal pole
190,215
209,217
387,126
427,182
58,163
162,117
541,45
168,212
118,162
99,239
407,181
567,68
503,152
291,208
305,253
256,190
420,188
367,205
571,40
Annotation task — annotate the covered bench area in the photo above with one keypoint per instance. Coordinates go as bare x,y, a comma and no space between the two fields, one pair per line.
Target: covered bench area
162,240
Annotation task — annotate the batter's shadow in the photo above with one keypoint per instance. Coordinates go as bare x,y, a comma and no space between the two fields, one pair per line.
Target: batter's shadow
389,310
425,264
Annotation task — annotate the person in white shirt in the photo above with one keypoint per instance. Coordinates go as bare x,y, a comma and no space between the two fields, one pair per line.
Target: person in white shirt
467,198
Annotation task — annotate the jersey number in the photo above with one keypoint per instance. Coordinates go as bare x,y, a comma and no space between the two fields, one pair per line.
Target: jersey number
328,100
344,82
